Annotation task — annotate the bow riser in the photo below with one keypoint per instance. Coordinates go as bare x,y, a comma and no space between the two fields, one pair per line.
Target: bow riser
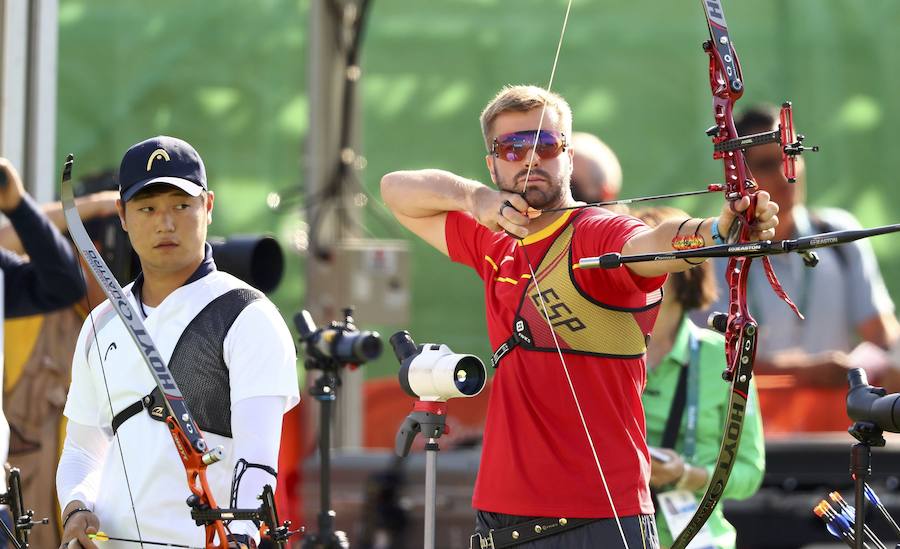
739,316
727,87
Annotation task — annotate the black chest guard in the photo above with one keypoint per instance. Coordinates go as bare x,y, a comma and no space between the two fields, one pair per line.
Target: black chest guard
198,366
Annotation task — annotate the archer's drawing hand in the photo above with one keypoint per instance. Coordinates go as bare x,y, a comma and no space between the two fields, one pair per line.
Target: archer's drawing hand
500,210
11,187
75,536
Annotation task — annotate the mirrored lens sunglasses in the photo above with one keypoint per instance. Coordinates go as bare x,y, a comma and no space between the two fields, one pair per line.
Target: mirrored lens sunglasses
516,146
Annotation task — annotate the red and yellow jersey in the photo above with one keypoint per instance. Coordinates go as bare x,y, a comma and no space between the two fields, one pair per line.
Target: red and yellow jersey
536,460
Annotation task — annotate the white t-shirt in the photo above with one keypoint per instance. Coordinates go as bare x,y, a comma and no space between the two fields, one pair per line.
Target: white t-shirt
259,353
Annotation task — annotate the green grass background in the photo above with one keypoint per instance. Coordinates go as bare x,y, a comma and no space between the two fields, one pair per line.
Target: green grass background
230,76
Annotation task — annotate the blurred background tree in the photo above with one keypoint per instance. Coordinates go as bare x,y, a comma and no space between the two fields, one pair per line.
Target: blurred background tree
230,77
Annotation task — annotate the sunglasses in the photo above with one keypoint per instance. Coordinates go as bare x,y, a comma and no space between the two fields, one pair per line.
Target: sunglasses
515,147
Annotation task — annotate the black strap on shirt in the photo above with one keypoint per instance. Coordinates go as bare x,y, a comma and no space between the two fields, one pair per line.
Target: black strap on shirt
521,334
673,423
822,226
154,403
127,414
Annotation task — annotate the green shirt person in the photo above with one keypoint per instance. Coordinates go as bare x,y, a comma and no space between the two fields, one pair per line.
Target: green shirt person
688,449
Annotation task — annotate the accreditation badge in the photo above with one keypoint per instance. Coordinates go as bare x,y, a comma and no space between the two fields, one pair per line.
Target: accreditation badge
678,506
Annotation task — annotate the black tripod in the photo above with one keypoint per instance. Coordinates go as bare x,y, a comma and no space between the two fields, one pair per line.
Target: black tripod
874,411
328,349
868,434
324,390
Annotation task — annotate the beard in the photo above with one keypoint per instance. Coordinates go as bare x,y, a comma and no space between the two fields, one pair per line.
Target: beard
538,194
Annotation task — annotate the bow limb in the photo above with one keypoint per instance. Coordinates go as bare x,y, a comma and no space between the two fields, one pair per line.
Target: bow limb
186,435
546,314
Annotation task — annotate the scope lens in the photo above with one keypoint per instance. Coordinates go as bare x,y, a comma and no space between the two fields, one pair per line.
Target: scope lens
368,347
470,376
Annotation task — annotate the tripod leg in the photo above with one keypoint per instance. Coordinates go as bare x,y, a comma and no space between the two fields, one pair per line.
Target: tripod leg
431,450
860,467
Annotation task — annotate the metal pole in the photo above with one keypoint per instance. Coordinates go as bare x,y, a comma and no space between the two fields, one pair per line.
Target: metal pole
431,450
327,79
326,397
860,468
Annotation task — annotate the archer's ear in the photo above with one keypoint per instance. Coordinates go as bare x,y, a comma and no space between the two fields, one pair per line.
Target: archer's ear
489,160
210,198
120,208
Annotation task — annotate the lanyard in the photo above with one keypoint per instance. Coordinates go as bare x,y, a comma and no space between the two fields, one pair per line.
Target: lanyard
693,390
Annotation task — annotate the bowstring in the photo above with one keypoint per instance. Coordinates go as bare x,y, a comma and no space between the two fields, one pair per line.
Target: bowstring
587,432
541,297
537,134
112,413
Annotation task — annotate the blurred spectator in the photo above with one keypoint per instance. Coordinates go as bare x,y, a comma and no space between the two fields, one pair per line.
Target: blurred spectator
803,363
45,281
684,366
596,172
49,279
38,352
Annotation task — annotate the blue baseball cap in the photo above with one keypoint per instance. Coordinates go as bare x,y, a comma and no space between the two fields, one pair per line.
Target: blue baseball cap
161,160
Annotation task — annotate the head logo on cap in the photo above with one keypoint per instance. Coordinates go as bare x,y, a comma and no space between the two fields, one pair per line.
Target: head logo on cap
158,154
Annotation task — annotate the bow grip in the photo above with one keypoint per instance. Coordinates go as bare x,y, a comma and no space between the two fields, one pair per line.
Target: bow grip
745,220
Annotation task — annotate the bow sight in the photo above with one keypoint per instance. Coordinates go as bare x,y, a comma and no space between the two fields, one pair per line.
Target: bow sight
791,143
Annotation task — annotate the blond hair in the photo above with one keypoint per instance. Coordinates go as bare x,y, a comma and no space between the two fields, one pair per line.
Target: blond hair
523,98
